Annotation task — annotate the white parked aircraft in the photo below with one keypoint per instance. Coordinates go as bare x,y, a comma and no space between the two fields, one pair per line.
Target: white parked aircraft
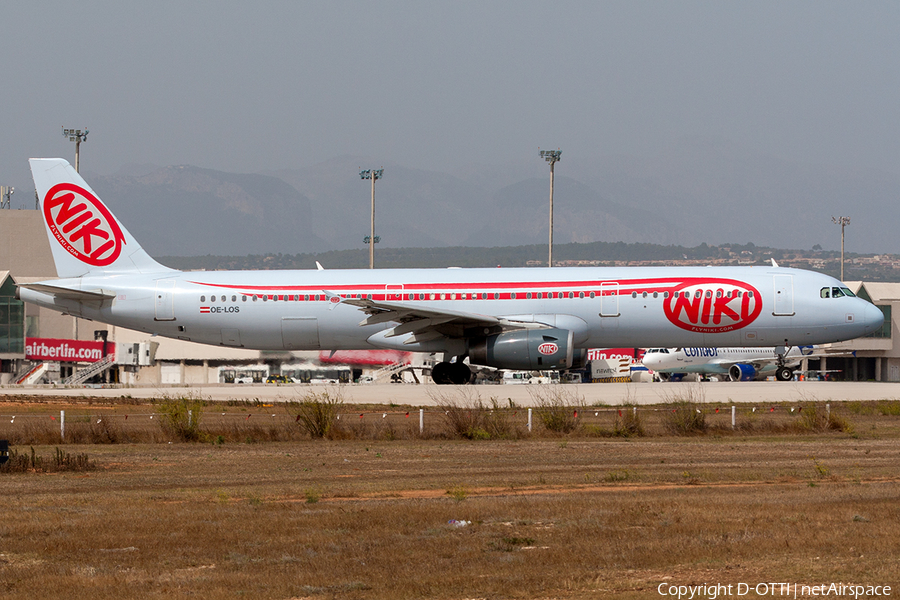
523,319
739,364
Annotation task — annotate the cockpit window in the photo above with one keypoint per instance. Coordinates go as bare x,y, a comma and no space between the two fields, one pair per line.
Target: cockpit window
836,292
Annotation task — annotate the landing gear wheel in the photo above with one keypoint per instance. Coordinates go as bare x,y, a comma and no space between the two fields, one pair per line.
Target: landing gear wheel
460,374
441,373
784,374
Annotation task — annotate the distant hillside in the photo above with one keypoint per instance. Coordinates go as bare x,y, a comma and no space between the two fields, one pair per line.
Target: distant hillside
857,267
186,210
416,208
519,214
698,191
413,208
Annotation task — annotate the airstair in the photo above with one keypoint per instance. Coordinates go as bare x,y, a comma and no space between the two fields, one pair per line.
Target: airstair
393,371
86,373
34,374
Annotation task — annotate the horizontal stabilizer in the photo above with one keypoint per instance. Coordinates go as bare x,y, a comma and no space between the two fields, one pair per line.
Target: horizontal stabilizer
69,293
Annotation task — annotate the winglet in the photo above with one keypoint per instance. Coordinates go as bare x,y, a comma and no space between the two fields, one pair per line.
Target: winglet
774,264
319,266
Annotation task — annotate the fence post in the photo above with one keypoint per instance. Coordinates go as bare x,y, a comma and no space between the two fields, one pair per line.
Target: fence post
827,411
421,421
62,425
732,415
529,420
634,410
190,417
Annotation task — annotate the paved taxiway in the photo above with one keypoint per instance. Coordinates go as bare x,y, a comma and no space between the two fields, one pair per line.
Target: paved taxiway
759,392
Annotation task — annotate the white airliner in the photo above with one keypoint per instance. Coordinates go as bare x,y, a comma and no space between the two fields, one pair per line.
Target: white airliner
739,364
523,319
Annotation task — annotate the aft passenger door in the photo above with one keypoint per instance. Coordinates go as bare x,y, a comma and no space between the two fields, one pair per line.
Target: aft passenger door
165,300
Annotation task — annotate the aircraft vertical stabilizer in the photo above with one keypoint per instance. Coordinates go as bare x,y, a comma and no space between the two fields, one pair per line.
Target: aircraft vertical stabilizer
84,235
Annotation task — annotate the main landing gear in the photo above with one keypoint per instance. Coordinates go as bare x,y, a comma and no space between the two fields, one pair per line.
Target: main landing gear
455,373
782,373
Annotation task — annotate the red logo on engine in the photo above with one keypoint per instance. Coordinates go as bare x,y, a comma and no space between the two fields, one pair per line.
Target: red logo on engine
713,305
83,225
548,348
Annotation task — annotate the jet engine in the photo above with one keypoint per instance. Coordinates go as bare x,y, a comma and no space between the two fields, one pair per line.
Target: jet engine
673,377
741,372
529,349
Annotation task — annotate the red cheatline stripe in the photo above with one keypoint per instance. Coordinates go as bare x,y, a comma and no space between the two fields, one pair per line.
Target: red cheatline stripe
395,289
657,284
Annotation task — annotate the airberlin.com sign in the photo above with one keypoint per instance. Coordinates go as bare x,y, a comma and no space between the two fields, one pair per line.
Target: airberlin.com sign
66,350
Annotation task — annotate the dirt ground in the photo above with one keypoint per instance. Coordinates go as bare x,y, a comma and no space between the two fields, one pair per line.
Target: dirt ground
611,394
552,516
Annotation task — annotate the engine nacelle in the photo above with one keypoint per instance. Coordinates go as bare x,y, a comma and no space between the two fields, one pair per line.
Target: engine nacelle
526,350
741,372
673,377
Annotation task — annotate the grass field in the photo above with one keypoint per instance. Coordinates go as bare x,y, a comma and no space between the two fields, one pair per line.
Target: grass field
373,515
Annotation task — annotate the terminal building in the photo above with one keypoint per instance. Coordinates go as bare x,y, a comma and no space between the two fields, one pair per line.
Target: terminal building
38,345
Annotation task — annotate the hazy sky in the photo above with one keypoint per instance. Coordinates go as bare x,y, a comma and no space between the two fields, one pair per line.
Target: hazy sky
249,86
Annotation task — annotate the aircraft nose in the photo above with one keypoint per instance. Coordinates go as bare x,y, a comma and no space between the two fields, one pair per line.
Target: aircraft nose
873,318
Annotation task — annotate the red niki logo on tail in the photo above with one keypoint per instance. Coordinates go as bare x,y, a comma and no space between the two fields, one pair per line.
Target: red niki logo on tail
713,305
82,225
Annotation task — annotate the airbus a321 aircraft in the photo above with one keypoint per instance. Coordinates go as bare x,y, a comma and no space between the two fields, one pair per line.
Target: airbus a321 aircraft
740,364
523,319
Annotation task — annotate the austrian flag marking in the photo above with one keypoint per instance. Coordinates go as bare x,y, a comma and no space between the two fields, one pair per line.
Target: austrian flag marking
83,225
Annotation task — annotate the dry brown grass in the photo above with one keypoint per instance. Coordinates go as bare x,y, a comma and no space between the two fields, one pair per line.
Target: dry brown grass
457,417
369,518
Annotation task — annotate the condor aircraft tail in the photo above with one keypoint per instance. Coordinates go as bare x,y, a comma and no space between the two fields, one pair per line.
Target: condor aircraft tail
84,235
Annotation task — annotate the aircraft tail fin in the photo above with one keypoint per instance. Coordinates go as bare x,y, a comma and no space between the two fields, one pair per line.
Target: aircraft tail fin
84,235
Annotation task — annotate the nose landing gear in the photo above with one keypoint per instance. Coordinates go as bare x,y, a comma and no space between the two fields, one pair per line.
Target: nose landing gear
782,373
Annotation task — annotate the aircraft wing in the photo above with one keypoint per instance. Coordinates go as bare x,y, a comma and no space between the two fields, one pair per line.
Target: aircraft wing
426,323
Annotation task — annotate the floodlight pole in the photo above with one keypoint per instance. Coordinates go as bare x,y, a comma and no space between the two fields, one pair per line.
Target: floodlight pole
77,136
374,175
551,156
843,222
